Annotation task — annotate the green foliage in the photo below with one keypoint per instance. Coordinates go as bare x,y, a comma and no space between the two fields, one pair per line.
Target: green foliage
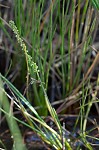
55,40
37,24
95,3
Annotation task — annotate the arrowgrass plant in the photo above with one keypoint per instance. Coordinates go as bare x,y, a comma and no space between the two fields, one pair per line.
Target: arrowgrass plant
49,135
55,38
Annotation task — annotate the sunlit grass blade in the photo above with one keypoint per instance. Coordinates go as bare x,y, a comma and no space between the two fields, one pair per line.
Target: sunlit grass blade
95,3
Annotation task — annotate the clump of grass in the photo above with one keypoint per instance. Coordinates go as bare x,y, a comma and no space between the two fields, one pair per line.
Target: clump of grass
75,33
62,64
70,63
